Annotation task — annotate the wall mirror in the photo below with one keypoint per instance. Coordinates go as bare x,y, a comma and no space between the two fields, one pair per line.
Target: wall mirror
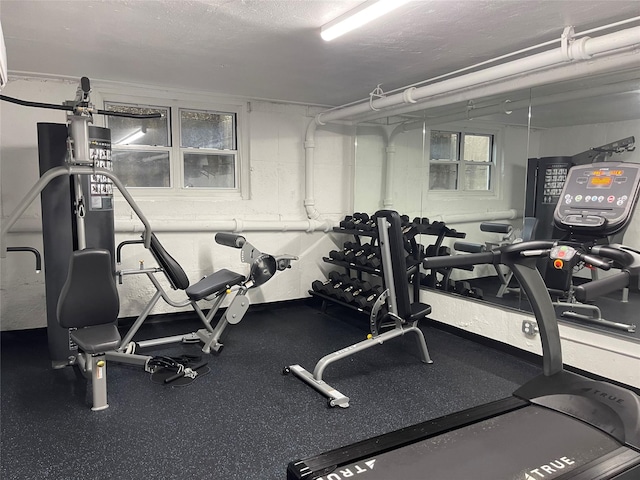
405,163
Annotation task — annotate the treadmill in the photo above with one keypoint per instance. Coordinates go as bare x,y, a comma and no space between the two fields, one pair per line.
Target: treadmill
559,425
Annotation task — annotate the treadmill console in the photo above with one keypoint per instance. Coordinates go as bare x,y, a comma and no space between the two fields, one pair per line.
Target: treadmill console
598,198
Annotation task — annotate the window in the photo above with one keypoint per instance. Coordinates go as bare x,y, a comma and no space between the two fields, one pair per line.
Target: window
461,161
208,147
199,151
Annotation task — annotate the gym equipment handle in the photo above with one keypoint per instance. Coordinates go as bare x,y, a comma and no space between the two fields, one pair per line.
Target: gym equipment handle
595,261
29,249
230,240
460,260
602,286
619,256
176,376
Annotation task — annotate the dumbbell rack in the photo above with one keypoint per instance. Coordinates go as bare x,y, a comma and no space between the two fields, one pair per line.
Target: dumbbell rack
413,262
349,267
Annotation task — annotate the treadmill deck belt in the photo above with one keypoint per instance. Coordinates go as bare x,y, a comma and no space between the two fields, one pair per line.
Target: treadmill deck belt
532,443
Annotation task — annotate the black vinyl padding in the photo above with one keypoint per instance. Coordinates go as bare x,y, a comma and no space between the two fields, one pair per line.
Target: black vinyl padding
171,268
469,247
97,339
230,240
216,282
89,296
495,227
406,310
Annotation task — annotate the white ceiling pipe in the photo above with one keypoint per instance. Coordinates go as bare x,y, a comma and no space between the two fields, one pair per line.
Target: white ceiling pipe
534,102
387,201
558,74
196,226
576,51
390,151
309,169
490,110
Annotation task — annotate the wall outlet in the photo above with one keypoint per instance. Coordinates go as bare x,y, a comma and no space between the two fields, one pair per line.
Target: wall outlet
529,328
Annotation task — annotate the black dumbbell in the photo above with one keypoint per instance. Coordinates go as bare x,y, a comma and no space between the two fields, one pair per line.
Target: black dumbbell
476,293
355,289
463,287
340,255
335,281
366,300
372,259
358,252
347,221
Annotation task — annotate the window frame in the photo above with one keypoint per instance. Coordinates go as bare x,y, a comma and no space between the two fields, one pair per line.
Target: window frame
212,151
494,164
191,102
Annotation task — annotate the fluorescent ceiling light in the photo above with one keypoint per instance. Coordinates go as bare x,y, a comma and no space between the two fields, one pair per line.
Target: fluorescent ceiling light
132,137
359,16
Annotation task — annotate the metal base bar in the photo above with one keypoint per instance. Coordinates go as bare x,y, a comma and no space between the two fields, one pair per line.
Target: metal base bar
155,342
335,397
627,327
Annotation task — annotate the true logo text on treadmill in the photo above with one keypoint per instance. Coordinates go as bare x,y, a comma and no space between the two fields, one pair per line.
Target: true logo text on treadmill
350,472
543,471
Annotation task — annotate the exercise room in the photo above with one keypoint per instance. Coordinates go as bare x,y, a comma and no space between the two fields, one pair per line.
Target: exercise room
320,239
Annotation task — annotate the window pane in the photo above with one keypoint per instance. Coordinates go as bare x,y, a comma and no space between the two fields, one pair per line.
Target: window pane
444,146
136,131
477,177
209,170
207,130
477,148
443,176
142,169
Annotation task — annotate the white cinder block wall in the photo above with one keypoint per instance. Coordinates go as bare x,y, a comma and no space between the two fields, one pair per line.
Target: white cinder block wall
277,190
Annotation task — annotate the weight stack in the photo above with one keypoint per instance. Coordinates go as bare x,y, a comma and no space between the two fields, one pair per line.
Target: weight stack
59,221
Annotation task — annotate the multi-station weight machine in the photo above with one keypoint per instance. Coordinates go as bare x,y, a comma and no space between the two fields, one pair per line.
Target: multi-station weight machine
76,188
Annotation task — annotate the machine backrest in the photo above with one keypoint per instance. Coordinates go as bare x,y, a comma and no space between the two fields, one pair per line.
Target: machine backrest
89,296
397,251
172,269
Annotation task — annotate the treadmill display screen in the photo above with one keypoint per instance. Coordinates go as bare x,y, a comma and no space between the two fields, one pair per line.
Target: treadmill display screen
598,197
600,182
602,178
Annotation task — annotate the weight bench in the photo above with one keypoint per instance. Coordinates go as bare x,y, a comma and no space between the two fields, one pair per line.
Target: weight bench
89,305
213,288
505,276
402,313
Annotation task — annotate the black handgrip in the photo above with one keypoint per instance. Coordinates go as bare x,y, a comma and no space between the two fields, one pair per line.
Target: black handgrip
617,255
122,244
29,249
459,260
230,240
85,85
597,288
469,247
595,261
495,227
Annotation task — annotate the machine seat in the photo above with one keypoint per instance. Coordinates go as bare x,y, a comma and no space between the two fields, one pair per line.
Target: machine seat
216,282
97,339
419,311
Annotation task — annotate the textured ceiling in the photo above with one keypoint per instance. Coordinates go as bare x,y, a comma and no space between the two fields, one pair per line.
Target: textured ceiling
272,48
